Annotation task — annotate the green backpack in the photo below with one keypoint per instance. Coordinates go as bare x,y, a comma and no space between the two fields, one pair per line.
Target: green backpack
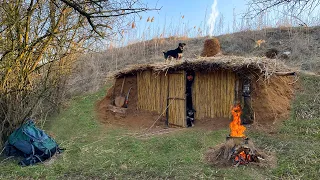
32,143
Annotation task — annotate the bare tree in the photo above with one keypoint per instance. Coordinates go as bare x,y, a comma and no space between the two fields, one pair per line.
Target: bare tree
39,39
291,8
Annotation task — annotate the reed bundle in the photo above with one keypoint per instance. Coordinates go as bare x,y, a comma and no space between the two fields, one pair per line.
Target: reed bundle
213,94
152,91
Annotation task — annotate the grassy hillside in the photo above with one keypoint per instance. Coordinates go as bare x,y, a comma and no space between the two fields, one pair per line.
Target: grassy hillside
303,45
94,151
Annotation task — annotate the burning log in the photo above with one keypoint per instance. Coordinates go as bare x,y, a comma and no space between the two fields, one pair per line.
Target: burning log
243,151
235,152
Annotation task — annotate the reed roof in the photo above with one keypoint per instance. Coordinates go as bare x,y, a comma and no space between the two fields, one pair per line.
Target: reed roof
261,65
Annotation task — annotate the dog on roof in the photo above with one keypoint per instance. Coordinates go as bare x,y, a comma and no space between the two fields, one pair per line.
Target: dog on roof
175,53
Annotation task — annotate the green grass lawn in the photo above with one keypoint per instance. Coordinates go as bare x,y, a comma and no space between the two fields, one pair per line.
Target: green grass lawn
95,152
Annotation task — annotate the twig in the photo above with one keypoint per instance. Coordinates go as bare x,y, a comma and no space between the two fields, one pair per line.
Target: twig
2,150
159,117
6,159
296,79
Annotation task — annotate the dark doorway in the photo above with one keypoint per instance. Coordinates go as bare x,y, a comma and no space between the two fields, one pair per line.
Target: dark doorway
247,112
190,75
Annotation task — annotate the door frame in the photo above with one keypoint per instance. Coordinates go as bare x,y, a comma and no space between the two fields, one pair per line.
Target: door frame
169,99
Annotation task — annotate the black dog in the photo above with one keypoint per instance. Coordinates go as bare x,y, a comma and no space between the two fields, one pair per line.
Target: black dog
190,117
176,53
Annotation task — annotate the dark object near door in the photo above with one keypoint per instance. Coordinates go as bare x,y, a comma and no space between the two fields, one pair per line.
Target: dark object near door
247,112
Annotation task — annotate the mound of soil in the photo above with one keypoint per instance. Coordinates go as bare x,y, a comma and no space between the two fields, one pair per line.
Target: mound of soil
136,120
271,99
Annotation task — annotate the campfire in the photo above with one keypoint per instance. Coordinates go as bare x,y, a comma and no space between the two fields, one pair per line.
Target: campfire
238,149
241,153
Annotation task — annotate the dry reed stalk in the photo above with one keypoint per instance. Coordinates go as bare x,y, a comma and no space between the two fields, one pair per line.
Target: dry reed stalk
218,95
213,93
231,90
151,91
224,94
164,87
225,84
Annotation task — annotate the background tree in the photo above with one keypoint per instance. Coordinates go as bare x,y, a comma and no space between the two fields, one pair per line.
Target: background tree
39,40
292,7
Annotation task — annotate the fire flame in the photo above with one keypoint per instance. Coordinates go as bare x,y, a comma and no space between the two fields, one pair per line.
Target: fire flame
237,130
242,158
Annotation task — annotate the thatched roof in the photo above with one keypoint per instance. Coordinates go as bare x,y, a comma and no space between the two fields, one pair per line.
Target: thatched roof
261,65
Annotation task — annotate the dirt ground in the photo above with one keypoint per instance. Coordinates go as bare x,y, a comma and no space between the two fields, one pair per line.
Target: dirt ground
134,119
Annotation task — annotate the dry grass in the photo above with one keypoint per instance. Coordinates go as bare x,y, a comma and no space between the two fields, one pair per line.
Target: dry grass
263,65
92,69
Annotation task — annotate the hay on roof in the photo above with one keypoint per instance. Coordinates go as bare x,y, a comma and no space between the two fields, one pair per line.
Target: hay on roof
262,65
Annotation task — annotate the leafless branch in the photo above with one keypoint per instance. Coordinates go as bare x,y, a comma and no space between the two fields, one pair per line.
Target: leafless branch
293,6
96,12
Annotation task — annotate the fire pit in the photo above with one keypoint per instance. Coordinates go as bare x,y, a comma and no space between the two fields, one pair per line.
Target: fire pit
238,149
243,151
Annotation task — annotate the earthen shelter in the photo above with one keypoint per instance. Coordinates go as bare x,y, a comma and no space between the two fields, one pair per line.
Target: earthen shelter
219,83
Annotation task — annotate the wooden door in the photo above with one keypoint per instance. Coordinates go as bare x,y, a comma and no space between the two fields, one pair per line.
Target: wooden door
177,99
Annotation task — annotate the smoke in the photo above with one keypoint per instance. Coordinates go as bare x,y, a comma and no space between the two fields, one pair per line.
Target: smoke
213,17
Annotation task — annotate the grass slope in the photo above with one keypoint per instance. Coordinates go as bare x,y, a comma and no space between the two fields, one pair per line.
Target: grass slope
95,152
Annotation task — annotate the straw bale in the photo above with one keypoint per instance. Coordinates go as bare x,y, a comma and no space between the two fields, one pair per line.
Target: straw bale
211,47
